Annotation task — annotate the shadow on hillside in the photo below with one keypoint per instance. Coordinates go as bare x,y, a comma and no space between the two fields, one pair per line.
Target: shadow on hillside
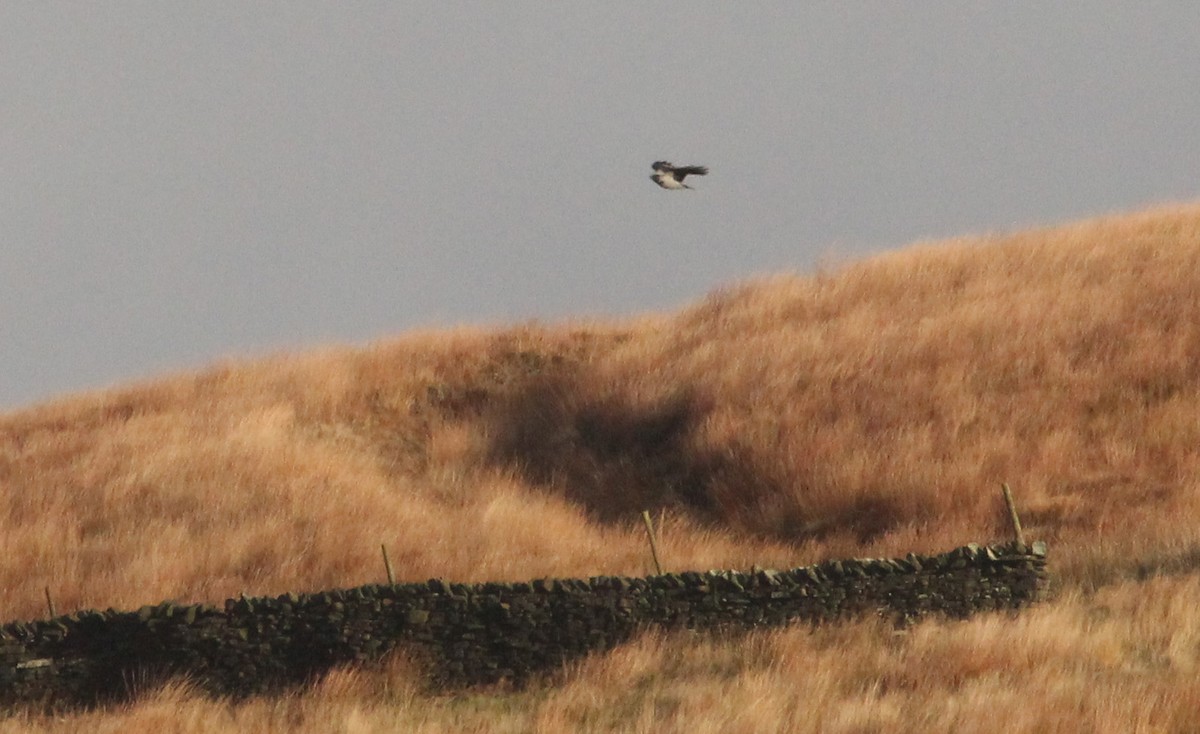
612,458
616,456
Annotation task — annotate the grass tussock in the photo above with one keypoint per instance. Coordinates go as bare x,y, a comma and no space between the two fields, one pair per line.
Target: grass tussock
869,410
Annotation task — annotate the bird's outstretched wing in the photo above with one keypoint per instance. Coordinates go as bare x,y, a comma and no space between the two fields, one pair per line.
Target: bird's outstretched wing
689,170
670,177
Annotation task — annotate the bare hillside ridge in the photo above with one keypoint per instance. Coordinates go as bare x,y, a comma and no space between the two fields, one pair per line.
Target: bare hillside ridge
869,410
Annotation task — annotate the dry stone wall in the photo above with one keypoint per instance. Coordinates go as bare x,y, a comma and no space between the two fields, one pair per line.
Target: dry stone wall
470,634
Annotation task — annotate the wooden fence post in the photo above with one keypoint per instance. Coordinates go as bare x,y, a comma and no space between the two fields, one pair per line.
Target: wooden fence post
653,543
387,565
1012,514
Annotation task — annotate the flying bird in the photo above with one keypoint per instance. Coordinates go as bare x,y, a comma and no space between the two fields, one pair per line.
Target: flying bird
670,177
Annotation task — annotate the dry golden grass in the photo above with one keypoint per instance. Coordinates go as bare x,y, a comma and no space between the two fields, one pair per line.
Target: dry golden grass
870,410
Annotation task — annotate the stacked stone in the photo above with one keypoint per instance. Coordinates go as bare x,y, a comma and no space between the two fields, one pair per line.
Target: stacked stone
480,633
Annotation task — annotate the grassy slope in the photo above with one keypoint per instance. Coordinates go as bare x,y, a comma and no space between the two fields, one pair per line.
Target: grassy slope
867,411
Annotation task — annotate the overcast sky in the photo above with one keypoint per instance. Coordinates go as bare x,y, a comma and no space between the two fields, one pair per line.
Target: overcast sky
182,182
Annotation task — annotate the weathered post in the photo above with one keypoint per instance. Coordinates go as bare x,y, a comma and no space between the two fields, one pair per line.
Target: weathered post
1012,514
653,543
387,566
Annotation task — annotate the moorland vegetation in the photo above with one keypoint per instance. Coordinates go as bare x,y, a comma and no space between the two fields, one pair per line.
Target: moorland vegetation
867,410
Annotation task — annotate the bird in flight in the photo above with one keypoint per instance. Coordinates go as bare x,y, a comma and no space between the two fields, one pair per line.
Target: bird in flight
670,177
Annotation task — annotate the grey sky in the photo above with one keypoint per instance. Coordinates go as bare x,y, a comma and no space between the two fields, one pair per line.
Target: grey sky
182,182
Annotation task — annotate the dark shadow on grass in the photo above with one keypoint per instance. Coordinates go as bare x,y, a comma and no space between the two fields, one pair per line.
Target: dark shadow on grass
612,457
615,455
605,455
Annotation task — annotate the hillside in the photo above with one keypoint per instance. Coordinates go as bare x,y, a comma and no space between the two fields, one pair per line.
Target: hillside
865,411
